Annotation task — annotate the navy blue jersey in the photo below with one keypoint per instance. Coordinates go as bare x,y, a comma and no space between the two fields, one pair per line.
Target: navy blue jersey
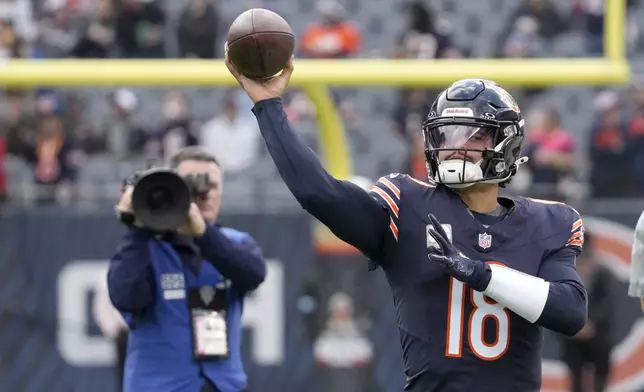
455,338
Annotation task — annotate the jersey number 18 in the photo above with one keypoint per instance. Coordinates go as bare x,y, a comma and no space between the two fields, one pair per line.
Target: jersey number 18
484,308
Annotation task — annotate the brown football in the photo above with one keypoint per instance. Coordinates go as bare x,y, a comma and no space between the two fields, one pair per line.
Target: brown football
260,43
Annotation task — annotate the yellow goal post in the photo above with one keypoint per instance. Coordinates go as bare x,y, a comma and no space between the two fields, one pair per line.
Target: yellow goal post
315,76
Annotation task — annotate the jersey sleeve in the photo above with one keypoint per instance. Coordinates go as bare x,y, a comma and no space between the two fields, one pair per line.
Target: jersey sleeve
636,285
386,191
573,229
565,310
561,228
345,208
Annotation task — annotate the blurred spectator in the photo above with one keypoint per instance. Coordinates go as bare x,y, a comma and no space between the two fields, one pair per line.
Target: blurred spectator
407,118
232,138
122,136
593,344
140,28
523,41
18,120
333,37
300,110
532,21
354,126
19,13
590,14
81,130
197,31
59,31
298,107
99,36
53,156
178,127
551,151
11,45
610,173
426,36
342,350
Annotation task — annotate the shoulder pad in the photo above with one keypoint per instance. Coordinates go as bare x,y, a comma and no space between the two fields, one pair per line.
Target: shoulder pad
387,191
562,221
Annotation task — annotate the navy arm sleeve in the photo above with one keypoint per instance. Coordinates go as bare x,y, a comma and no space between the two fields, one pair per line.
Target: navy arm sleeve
347,210
566,309
130,281
240,261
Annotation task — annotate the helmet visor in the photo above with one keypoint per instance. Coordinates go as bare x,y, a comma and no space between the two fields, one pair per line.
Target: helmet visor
461,137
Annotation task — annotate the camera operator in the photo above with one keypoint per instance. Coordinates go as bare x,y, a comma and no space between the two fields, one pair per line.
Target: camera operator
183,292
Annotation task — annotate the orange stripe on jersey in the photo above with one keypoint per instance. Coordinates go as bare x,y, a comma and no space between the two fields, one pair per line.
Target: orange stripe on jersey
384,181
577,236
393,228
390,202
578,223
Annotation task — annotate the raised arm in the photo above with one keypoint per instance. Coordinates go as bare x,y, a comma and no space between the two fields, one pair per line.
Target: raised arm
349,211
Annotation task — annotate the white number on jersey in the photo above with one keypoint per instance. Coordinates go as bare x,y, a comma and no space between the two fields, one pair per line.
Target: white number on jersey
483,309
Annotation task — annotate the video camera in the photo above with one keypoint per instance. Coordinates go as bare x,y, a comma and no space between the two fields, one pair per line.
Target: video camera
161,198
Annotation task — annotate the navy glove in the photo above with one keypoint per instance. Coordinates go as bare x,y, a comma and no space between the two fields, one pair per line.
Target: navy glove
474,273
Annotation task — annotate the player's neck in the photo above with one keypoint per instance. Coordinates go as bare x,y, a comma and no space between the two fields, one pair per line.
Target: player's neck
481,198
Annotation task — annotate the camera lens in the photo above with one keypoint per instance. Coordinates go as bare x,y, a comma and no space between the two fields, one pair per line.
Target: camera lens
159,199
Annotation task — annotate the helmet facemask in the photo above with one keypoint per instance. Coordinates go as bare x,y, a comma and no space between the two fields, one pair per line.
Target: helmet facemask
461,152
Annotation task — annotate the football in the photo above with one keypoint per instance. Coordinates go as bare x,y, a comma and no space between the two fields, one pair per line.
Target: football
260,43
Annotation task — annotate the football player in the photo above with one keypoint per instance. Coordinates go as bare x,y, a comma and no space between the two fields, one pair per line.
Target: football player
474,276
636,285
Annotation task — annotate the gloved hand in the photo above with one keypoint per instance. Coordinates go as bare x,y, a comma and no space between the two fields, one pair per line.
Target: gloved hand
474,273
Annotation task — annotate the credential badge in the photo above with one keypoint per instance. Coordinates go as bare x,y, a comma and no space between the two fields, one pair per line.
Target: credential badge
485,240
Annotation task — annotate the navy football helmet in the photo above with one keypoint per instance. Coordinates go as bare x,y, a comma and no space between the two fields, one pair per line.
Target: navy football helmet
473,134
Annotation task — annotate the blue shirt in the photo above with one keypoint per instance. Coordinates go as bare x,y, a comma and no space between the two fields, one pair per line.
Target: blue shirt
148,281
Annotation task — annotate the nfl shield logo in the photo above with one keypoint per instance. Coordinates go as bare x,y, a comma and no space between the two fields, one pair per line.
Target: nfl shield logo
485,240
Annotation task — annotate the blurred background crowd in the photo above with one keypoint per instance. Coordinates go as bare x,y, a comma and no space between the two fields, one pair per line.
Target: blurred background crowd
72,147
76,143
